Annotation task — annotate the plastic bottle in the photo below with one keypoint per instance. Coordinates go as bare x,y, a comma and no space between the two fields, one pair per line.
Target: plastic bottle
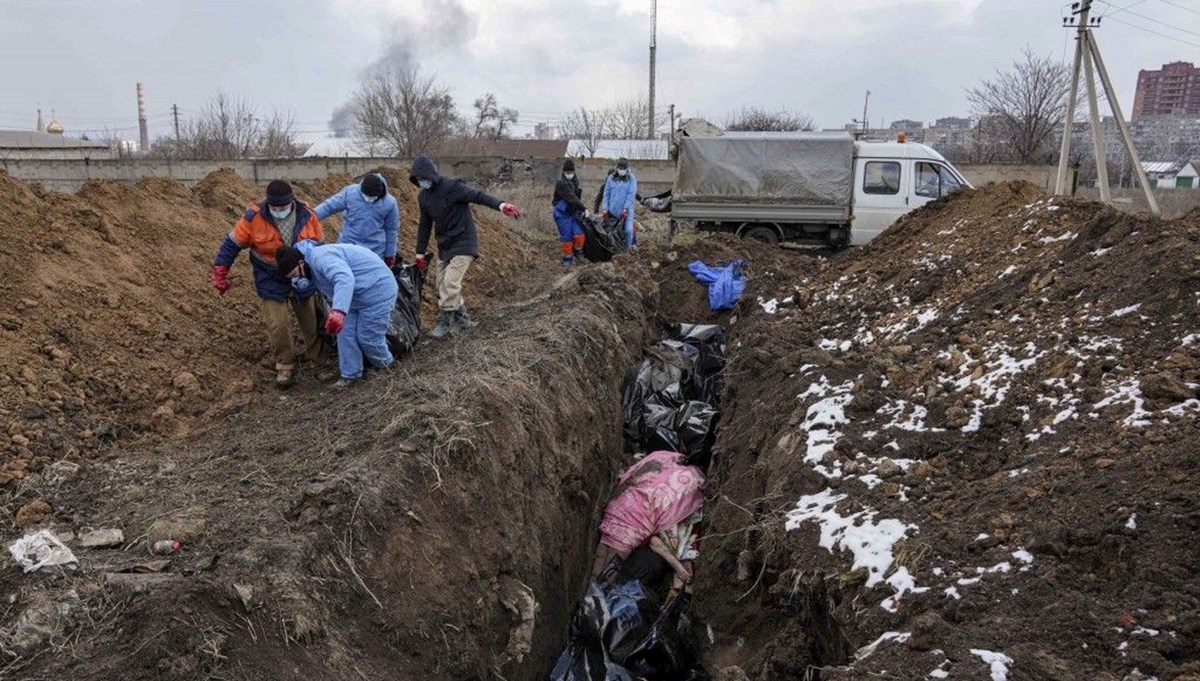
165,546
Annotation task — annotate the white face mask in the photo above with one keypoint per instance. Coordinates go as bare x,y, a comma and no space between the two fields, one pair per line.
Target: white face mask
621,172
425,184
369,199
569,176
280,214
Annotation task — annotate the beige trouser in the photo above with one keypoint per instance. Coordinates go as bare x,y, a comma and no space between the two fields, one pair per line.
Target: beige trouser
449,281
276,317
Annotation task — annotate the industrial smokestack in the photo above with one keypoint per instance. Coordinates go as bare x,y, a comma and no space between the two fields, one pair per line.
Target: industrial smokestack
143,131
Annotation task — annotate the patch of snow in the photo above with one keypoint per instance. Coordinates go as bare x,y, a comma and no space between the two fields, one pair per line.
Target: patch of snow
1099,252
1189,339
1129,392
1001,567
1023,556
1125,311
968,581
982,536
770,307
1144,631
998,662
1132,522
952,592
1054,239
822,420
868,539
865,651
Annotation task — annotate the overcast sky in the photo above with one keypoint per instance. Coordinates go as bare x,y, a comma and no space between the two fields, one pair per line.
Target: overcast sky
82,58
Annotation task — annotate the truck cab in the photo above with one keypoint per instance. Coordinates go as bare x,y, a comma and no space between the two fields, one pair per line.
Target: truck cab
893,178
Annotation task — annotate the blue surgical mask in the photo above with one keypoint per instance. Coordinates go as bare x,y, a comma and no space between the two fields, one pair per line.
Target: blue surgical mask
425,184
281,214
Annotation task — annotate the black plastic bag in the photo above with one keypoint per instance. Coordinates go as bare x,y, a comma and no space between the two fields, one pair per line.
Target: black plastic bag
328,340
709,342
404,325
665,654
604,238
664,373
695,427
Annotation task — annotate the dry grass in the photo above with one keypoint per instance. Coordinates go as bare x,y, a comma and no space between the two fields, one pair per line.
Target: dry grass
537,224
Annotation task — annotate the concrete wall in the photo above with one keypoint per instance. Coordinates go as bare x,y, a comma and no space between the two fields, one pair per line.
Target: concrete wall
1172,202
70,175
1042,176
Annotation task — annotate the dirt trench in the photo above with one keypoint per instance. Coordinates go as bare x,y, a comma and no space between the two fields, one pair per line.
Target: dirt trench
435,523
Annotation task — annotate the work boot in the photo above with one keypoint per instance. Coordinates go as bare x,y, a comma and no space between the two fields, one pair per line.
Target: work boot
284,374
579,256
462,319
343,383
443,324
566,262
327,374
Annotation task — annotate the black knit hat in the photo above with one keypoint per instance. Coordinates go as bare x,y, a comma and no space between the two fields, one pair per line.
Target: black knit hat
569,166
623,163
372,185
279,193
286,259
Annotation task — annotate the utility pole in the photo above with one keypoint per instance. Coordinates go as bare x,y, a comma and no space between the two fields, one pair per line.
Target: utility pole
866,125
1087,56
653,49
175,112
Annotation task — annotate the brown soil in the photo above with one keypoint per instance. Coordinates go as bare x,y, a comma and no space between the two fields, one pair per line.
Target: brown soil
437,521
1014,377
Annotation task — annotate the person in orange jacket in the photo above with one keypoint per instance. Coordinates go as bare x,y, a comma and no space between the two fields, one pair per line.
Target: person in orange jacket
268,225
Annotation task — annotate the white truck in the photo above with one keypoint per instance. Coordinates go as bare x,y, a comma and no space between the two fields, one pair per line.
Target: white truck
821,189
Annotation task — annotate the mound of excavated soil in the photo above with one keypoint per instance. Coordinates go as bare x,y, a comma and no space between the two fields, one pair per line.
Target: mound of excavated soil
113,330
971,444
434,522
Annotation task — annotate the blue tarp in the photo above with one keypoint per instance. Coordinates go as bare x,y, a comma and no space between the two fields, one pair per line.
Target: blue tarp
725,282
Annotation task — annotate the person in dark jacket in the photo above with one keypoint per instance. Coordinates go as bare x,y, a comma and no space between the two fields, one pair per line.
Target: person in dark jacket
569,213
445,204
279,220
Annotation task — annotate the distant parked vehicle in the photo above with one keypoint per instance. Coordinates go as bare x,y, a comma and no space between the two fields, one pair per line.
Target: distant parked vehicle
814,188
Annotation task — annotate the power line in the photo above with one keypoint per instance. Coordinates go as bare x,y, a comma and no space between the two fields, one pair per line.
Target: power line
1186,9
1161,35
1151,19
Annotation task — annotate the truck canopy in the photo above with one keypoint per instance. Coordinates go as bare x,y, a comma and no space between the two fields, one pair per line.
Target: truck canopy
798,168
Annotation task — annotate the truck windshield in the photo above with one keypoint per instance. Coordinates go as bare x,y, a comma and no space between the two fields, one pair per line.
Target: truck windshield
935,181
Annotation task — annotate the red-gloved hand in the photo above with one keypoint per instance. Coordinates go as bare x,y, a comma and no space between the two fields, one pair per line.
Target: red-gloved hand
220,279
421,264
604,215
624,214
510,210
334,322
389,260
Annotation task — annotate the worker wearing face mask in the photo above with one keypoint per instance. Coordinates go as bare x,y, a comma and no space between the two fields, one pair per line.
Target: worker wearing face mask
372,216
268,225
445,204
620,193
568,213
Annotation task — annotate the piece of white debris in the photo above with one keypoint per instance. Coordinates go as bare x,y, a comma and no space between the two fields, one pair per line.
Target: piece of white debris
897,636
1125,311
952,592
770,307
1132,522
1023,556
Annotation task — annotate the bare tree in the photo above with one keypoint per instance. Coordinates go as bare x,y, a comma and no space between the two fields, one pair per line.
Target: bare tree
407,112
229,127
587,126
1025,106
628,120
491,121
760,120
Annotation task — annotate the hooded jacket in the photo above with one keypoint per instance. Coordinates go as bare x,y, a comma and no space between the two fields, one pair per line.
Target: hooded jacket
257,231
351,277
446,210
620,193
372,225
568,192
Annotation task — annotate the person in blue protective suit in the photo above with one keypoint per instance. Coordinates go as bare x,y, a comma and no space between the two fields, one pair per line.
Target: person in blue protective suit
620,193
569,212
362,292
372,216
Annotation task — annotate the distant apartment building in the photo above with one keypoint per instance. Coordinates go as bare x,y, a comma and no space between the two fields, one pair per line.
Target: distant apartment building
547,131
1173,90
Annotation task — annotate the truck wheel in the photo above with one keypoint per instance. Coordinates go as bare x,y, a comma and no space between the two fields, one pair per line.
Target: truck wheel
764,234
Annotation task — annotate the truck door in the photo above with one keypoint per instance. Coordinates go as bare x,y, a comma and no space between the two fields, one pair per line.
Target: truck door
932,181
881,196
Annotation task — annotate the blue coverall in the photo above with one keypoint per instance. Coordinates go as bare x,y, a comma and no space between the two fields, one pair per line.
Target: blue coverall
358,283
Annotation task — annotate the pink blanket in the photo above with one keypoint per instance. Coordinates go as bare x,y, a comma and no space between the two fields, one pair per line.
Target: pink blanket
652,496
